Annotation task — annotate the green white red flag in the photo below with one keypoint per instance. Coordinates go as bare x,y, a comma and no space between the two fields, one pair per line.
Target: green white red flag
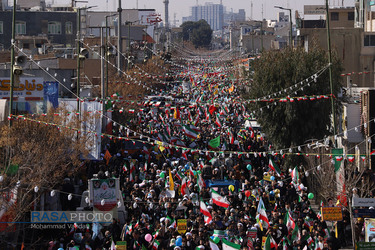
219,200
262,215
207,215
270,243
272,165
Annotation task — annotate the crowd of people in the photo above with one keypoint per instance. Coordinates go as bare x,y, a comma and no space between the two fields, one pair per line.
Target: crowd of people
190,191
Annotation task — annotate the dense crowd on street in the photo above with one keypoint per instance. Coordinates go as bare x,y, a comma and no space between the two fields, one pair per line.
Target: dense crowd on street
164,183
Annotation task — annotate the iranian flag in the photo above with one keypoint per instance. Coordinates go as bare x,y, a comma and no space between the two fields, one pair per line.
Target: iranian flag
295,175
272,165
196,120
184,188
196,129
309,240
201,183
190,132
262,215
296,235
172,221
227,245
218,199
270,243
179,175
218,122
289,222
205,212
132,170
189,116
231,137
155,245
351,158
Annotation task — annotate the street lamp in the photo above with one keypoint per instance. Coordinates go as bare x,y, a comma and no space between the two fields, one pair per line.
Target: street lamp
79,51
291,24
106,50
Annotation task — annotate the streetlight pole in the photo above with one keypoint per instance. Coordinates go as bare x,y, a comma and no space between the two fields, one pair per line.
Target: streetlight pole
106,51
78,53
78,59
119,41
330,70
291,24
12,62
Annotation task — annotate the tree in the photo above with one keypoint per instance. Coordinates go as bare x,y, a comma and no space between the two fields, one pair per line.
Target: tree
39,151
199,33
275,76
341,180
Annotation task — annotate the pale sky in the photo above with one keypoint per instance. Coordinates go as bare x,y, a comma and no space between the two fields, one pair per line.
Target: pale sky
182,7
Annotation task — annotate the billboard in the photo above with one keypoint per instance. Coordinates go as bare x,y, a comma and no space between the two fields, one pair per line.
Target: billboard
30,88
314,10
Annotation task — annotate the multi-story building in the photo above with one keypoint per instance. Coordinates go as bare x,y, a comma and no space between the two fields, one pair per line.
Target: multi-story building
231,16
36,28
212,13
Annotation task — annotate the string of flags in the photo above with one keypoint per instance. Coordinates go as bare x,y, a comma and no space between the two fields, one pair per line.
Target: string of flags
147,140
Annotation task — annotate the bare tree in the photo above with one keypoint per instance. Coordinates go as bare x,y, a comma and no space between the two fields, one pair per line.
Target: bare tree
36,153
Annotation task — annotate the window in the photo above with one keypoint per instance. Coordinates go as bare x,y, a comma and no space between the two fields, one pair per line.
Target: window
68,28
334,16
54,28
20,28
369,41
1,27
350,16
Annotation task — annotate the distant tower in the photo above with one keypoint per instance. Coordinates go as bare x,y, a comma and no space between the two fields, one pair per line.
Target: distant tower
251,11
166,19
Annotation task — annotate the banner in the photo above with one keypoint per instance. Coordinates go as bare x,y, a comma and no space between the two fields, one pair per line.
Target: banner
181,226
104,191
30,88
369,230
364,213
363,202
331,213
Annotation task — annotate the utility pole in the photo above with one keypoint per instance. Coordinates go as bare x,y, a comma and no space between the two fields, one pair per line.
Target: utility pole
78,58
79,54
330,70
290,23
12,61
102,92
119,39
106,50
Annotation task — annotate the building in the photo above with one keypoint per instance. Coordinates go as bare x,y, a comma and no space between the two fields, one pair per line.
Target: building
96,19
34,29
212,13
231,16
347,39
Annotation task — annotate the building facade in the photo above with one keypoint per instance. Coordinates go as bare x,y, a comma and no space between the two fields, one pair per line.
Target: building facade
212,13
36,28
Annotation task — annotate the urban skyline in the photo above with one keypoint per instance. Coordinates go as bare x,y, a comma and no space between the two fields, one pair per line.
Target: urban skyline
182,8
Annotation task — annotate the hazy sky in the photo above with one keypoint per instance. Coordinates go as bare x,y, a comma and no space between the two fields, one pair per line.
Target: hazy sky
182,7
